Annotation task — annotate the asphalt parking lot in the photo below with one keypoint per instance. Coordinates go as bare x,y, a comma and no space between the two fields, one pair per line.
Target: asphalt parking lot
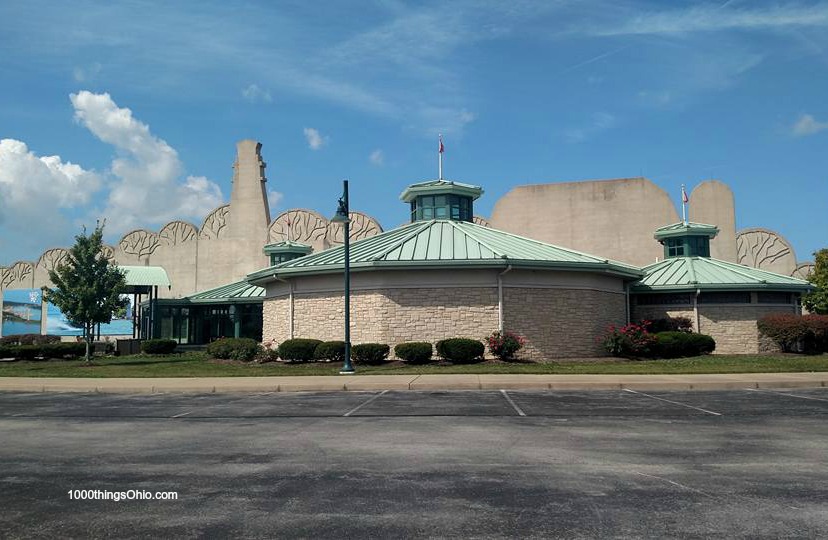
741,463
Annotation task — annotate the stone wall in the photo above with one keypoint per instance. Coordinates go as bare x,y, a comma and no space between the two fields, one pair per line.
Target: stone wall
733,326
562,323
558,323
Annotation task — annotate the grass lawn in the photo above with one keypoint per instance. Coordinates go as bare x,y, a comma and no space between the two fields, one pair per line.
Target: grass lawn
198,365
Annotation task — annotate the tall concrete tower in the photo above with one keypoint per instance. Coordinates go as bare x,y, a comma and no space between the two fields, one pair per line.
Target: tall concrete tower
249,211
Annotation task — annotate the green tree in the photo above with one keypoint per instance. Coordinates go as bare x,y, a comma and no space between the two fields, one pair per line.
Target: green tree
817,301
87,286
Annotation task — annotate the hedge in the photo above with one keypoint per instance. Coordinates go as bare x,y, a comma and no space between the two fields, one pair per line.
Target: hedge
414,352
244,349
681,344
796,333
333,351
158,346
370,353
28,339
461,350
46,350
299,349
670,324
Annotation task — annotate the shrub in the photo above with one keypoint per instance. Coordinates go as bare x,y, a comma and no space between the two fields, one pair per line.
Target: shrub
370,353
670,324
244,349
333,351
506,345
817,342
7,351
158,346
629,340
461,350
63,350
27,352
786,329
414,352
680,344
268,352
299,349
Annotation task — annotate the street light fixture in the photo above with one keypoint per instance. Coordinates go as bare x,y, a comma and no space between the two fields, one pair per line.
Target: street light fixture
343,216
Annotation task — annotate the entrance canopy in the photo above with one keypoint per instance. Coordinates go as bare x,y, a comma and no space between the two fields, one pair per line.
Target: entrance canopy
140,279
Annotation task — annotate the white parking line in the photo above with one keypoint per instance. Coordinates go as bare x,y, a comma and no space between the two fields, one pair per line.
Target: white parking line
512,403
785,394
358,407
182,414
674,402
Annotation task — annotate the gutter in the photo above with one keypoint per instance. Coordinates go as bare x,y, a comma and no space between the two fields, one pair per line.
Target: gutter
500,298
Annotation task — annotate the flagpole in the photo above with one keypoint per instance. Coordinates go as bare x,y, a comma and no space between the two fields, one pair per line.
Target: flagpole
440,157
683,205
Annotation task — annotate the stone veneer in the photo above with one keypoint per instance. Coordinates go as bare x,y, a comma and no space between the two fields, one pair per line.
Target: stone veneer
733,326
557,323
562,323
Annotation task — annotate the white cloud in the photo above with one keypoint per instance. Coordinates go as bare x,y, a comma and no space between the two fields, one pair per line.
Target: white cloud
88,73
34,191
315,139
599,121
445,120
711,18
377,158
808,125
147,188
274,201
255,94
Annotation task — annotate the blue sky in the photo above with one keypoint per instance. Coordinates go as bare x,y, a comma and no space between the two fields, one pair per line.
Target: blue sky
131,110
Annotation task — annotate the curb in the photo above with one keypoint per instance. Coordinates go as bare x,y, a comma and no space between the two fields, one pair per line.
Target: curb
359,383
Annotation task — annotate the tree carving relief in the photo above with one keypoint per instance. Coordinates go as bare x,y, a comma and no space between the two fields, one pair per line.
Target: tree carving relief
108,253
52,258
305,226
362,226
803,270
18,276
762,248
141,243
177,232
215,223
480,220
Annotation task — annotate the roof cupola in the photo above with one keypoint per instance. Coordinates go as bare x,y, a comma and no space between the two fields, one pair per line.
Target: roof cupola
441,199
686,239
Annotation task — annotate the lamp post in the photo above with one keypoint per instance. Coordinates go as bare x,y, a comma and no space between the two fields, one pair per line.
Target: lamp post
343,216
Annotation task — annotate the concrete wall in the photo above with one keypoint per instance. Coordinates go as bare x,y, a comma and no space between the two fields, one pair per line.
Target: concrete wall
611,218
712,202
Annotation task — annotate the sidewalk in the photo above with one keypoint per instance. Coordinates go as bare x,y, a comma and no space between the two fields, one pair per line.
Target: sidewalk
415,382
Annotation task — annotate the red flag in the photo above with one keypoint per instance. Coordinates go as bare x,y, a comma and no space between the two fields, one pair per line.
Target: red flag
441,144
684,197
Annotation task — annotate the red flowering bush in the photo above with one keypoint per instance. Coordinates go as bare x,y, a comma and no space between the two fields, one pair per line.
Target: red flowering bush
629,340
505,345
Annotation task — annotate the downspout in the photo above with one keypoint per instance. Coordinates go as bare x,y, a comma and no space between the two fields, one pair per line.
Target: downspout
696,310
627,303
290,317
500,298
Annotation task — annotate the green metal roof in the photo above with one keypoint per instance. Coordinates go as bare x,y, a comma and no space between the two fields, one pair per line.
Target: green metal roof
445,244
235,293
286,246
691,273
440,187
685,229
145,276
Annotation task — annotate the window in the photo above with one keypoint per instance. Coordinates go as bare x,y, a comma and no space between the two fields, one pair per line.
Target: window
774,298
730,297
664,299
675,247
